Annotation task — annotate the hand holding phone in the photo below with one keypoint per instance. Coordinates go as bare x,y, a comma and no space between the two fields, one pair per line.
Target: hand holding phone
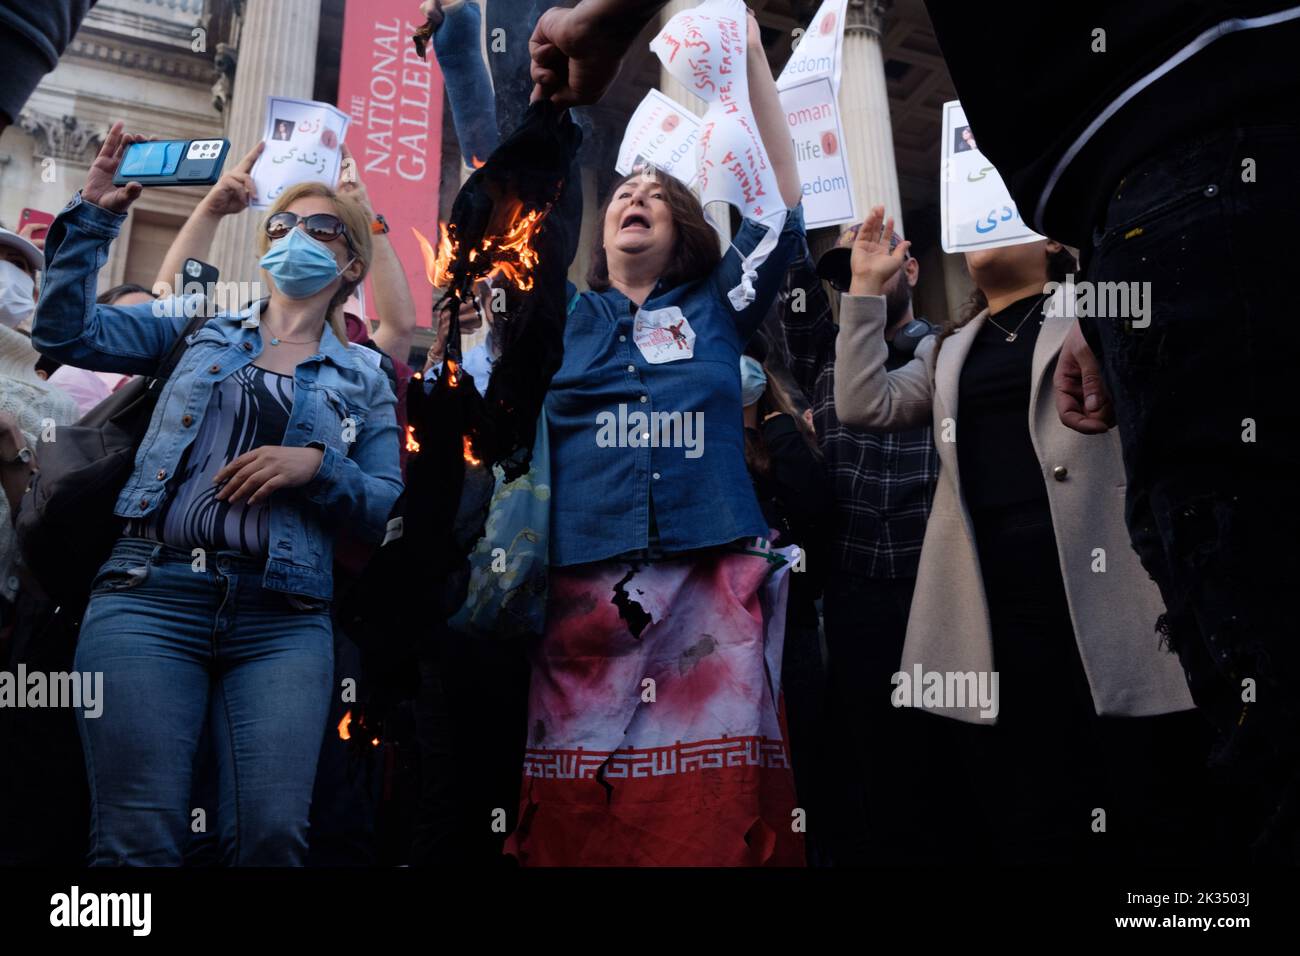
34,224
175,162
99,188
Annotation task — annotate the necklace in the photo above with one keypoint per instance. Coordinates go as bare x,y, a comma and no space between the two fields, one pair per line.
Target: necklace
1011,336
275,340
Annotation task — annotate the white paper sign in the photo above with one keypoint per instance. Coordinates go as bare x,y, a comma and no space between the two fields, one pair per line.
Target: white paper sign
818,52
663,335
302,145
704,50
814,119
664,133
974,204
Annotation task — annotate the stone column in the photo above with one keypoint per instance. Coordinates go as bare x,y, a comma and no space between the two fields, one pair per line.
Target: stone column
864,111
276,56
719,212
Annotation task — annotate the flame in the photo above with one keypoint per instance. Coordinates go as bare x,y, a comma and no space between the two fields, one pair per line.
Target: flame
412,445
476,162
469,451
374,742
453,380
344,733
511,251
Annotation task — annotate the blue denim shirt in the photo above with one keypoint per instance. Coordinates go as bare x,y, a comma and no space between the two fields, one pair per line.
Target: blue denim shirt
358,480
606,476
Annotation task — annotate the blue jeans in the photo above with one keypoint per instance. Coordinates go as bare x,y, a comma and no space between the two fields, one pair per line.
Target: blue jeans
179,648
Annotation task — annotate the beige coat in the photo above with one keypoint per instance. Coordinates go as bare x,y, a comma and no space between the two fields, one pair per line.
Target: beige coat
1114,611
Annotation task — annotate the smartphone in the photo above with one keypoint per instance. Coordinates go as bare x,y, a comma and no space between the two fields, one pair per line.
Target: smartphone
178,162
198,276
29,216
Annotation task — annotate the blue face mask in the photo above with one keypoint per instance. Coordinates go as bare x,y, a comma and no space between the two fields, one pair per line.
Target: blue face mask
753,380
300,266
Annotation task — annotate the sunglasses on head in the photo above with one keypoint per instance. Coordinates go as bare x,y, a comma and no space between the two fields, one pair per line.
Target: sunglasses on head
321,226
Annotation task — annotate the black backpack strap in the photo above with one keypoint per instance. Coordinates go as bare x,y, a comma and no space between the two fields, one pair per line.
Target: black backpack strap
177,350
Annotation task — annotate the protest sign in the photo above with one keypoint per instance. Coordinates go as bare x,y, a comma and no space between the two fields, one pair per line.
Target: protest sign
395,102
704,50
975,206
664,133
302,146
814,118
818,50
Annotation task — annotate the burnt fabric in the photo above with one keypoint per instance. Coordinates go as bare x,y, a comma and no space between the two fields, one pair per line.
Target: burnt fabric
697,776
530,173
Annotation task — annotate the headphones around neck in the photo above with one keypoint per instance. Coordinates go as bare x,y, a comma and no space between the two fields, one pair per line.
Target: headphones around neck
907,338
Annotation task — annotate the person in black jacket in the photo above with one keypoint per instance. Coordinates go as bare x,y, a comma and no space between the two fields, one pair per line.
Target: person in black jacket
1162,147
32,38
794,493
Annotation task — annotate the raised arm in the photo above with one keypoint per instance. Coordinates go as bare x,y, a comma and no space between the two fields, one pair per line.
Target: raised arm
394,304
867,395
232,194
772,125
577,52
69,326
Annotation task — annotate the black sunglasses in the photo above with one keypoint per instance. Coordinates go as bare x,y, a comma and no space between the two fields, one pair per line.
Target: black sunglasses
321,226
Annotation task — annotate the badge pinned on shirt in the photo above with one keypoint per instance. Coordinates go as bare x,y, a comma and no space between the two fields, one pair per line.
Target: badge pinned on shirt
663,335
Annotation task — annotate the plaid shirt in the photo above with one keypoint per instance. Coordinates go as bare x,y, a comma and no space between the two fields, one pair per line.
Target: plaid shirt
883,482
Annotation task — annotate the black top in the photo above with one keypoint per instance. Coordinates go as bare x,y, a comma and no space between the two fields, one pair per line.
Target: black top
796,499
995,455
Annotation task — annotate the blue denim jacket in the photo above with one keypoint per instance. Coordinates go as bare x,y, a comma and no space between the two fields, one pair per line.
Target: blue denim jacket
604,486
358,481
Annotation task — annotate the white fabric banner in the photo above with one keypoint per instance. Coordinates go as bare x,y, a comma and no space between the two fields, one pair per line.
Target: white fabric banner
975,206
302,145
814,119
818,53
704,50
664,133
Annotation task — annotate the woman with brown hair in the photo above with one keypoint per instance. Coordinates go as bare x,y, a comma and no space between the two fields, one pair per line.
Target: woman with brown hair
270,436
653,735
1027,582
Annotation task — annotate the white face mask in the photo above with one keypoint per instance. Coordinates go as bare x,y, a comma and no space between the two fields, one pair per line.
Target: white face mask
17,295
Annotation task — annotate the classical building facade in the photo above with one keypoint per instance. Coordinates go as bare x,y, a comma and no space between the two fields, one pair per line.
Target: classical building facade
194,68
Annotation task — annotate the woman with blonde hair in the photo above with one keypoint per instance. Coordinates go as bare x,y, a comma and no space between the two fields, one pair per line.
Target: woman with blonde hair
270,436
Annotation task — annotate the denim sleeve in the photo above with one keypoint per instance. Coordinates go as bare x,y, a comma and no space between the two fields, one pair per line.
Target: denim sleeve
70,327
770,274
362,487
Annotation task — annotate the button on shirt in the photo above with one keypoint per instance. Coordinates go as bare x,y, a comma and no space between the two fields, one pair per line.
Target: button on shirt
607,478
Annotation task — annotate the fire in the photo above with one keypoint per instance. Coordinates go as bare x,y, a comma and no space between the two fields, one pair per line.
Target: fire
510,250
469,451
476,162
412,445
344,732
453,380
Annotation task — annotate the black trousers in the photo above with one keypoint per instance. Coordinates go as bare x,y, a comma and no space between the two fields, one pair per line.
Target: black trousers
880,809
1205,402
1052,781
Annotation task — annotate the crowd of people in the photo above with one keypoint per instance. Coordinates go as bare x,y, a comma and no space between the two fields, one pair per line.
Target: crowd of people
1066,511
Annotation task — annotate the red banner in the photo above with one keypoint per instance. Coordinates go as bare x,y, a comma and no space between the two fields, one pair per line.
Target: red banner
395,101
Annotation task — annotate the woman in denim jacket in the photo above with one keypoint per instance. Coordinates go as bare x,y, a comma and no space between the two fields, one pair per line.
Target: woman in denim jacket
653,735
271,435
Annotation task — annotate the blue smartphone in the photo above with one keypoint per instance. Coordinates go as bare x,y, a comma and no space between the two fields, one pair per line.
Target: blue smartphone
178,162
